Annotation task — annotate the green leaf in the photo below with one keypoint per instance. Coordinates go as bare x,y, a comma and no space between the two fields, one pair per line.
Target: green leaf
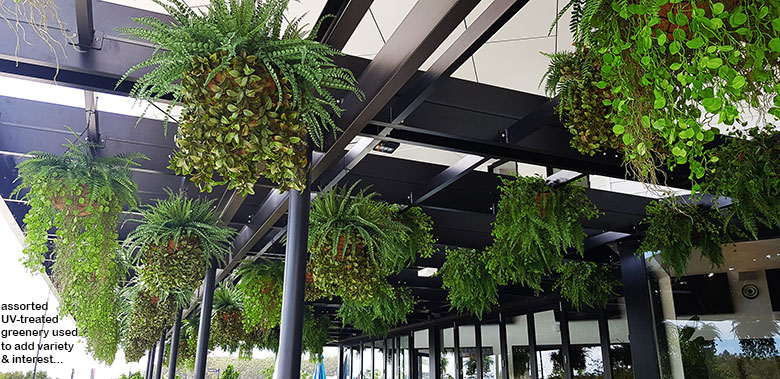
618,129
717,8
737,19
695,43
232,107
712,104
714,63
774,44
659,102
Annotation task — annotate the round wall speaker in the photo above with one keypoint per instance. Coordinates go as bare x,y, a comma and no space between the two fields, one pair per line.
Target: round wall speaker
750,291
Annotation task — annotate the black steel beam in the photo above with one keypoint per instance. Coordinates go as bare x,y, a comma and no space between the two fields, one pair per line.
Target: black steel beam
605,343
445,178
347,14
505,353
533,363
480,31
480,353
426,26
530,123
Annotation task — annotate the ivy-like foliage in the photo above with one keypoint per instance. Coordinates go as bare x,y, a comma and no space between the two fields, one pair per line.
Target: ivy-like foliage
146,316
356,241
388,307
678,69
675,229
574,78
230,373
315,334
585,284
747,170
535,226
227,329
177,240
471,287
261,293
246,80
81,196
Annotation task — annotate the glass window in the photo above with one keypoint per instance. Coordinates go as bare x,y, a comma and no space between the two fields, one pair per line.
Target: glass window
548,345
404,370
421,352
379,359
354,362
720,322
517,344
619,346
448,361
367,357
491,349
468,351
585,345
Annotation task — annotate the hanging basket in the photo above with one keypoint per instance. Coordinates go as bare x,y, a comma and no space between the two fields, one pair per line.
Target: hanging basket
174,265
79,202
348,272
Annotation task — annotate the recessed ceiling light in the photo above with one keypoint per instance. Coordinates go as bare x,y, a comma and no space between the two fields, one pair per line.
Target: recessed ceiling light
731,268
427,272
711,275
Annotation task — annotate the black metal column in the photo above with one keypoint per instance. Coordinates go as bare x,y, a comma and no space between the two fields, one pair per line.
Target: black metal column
160,356
568,373
605,342
84,23
288,361
396,357
532,346
639,311
150,364
434,353
360,357
373,358
478,343
414,371
458,357
503,343
340,367
175,336
204,327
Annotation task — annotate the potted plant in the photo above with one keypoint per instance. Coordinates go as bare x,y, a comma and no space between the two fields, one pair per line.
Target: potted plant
176,240
585,284
674,229
535,227
747,170
355,241
680,69
574,77
146,316
227,330
253,91
315,333
471,287
81,196
261,293
387,308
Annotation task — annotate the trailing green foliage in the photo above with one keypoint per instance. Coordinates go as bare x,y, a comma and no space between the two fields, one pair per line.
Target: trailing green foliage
356,241
252,89
675,229
230,373
389,307
81,196
261,293
747,170
574,78
227,330
535,226
177,239
315,333
145,316
585,284
471,287
679,69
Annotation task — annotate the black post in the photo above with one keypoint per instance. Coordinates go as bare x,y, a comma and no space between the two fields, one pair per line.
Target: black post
340,367
175,336
204,327
373,358
532,346
360,357
288,360
605,342
478,342
160,356
434,350
639,311
568,373
414,371
458,357
150,364
503,343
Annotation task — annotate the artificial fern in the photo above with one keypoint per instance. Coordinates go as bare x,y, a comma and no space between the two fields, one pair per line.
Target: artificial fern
471,287
389,308
536,226
243,41
177,240
581,24
261,292
585,284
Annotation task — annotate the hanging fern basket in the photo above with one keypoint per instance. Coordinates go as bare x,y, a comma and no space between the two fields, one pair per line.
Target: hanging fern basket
174,265
149,317
347,270
238,124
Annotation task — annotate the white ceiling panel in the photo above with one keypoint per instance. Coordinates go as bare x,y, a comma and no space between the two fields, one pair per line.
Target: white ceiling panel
514,64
